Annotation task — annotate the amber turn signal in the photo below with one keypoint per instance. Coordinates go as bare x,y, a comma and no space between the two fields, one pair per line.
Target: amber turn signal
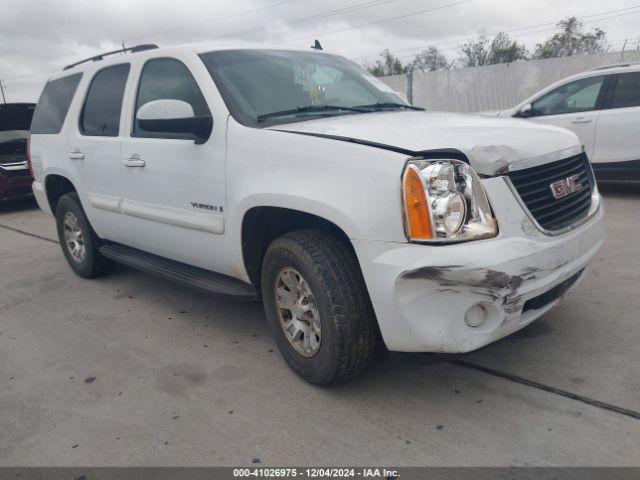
419,226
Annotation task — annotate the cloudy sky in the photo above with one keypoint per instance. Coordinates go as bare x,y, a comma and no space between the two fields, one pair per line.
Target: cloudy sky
41,36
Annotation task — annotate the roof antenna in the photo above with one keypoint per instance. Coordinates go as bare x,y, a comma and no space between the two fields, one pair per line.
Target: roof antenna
316,45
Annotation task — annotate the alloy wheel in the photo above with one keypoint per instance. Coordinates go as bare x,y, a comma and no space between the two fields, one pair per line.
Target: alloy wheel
298,312
74,237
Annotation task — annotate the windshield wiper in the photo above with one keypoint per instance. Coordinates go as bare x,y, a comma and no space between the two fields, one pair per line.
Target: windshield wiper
388,105
311,109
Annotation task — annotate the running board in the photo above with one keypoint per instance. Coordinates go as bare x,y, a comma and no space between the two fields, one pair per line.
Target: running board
182,273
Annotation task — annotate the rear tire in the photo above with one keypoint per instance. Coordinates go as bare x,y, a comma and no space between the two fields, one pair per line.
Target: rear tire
318,307
79,242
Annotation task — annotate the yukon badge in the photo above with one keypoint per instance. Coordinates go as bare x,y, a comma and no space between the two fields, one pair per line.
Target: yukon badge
206,206
564,187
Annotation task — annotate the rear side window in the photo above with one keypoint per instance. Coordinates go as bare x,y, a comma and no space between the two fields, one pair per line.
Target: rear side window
54,104
168,78
627,91
101,111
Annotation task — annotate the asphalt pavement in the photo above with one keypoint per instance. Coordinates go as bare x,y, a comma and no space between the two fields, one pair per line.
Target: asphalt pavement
133,370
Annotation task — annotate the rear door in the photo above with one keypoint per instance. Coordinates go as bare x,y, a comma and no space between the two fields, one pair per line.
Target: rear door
618,134
94,149
575,105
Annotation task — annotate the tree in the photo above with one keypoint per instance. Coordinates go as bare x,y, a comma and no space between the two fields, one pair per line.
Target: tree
475,53
430,60
482,51
571,40
505,50
388,64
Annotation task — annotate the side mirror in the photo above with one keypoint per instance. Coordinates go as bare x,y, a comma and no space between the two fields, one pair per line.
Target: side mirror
525,112
168,117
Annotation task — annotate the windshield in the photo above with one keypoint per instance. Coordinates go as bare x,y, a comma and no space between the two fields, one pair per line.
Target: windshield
267,87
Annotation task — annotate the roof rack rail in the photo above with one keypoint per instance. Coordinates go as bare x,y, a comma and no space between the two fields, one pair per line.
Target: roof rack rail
617,65
137,48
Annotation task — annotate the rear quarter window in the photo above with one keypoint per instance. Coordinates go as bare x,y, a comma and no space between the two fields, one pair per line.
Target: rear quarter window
54,104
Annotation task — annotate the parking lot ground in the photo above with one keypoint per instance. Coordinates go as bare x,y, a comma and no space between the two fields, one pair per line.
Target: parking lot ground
132,370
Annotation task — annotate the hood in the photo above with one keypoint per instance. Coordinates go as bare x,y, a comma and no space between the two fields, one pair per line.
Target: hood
490,144
488,113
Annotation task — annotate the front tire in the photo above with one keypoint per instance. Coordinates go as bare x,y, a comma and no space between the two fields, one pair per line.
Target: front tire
79,242
318,307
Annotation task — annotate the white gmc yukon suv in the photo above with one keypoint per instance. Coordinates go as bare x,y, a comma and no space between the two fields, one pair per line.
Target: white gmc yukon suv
295,177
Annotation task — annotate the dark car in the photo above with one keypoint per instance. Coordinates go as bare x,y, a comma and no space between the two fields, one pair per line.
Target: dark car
15,122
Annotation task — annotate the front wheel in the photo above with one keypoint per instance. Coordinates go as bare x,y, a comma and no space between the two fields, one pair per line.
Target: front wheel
317,306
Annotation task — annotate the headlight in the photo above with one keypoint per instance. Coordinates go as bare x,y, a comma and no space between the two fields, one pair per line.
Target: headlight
444,201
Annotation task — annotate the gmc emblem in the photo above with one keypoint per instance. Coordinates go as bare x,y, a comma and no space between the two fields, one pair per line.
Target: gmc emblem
564,187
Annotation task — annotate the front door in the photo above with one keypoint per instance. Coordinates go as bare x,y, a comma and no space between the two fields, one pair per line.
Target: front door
575,106
174,187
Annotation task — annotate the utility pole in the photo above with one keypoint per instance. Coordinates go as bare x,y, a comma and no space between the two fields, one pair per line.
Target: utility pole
4,100
622,52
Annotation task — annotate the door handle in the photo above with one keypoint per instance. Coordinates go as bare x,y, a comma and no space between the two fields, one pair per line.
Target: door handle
581,120
76,155
134,161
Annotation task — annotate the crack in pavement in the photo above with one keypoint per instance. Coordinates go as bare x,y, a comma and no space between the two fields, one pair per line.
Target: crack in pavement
546,388
34,235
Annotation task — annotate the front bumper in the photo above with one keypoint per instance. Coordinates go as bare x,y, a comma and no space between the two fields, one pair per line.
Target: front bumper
422,293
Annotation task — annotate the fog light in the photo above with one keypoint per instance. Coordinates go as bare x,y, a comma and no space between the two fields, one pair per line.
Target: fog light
476,315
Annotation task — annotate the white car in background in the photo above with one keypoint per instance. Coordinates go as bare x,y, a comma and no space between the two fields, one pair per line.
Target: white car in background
602,107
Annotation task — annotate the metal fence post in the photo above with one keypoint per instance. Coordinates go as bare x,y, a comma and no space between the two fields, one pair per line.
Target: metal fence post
410,85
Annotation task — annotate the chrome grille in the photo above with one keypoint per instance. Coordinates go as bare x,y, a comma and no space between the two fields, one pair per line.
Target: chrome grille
534,187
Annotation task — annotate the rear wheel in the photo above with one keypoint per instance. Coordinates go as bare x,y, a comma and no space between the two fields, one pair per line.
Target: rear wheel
318,307
79,242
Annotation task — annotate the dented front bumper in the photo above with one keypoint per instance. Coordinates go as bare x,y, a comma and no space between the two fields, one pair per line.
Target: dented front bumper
422,294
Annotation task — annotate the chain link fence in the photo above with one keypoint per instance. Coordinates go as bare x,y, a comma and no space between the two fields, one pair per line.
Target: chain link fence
496,87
